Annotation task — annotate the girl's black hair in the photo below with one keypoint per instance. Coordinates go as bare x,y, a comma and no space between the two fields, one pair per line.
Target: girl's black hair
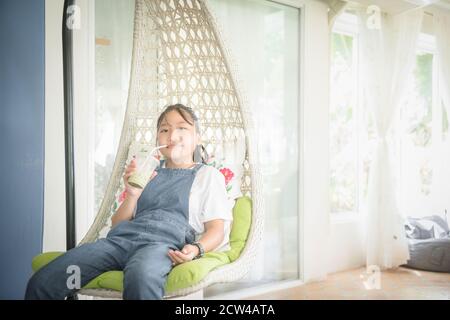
200,154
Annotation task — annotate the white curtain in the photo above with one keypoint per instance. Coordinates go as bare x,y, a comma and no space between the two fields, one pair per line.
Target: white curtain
442,31
441,170
387,58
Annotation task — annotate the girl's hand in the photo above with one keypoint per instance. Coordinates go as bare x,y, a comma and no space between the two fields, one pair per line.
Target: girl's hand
188,253
129,170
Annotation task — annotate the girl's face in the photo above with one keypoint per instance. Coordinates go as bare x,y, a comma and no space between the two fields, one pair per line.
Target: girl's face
180,137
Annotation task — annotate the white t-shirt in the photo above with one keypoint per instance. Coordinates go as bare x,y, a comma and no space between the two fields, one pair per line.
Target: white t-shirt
208,201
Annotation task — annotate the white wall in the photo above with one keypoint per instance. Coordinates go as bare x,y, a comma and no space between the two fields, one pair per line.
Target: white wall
315,136
331,244
347,244
54,188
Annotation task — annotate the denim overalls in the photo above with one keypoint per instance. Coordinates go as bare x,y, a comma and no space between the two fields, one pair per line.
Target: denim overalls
139,247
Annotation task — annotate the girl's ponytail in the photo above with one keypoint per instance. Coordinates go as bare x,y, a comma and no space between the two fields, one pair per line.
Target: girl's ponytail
200,154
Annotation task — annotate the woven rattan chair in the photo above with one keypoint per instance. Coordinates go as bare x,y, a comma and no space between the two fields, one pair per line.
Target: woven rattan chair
179,57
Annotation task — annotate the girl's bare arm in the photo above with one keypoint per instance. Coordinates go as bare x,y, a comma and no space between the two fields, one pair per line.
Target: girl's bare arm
125,211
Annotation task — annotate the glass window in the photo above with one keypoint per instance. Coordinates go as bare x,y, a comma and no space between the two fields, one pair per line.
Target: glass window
419,132
263,38
420,142
344,116
113,48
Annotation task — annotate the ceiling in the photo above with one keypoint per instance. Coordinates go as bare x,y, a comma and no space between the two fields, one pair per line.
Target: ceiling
398,6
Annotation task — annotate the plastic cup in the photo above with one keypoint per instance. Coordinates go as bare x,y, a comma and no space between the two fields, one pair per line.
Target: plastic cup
140,178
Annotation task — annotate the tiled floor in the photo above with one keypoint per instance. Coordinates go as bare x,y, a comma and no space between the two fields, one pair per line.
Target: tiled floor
401,283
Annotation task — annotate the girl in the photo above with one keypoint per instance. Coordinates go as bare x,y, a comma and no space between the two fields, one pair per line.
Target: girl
155,228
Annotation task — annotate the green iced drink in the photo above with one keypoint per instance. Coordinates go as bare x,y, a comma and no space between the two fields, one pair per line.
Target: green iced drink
140,178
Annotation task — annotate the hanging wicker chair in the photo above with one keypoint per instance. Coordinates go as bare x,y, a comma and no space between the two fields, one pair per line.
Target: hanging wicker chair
179,57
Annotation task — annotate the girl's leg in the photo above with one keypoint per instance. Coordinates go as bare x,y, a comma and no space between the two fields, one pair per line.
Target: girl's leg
77,266
146,272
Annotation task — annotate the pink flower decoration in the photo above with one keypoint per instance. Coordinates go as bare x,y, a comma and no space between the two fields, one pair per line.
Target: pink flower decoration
122,196
228,174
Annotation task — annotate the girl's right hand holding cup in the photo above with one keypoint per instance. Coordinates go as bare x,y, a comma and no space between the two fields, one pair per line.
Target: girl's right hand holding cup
130,170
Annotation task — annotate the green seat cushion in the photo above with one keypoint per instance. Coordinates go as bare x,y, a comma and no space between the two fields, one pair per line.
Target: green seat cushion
186,274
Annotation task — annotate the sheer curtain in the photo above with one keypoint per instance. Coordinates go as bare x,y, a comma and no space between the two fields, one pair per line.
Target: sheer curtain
387,57
442,31
441,176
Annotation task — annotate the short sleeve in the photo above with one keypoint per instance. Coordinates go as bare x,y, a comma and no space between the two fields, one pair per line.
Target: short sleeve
215,203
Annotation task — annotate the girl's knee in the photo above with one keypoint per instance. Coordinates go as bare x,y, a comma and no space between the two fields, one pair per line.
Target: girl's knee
46,284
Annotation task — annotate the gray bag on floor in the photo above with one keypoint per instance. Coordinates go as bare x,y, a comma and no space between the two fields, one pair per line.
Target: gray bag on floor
429,243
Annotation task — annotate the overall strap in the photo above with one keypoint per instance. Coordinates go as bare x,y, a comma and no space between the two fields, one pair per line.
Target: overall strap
195,169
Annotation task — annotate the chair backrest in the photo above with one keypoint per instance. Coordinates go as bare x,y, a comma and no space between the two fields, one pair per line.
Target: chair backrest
178,57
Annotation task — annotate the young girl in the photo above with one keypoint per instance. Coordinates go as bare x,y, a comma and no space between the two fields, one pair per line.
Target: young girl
155,228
